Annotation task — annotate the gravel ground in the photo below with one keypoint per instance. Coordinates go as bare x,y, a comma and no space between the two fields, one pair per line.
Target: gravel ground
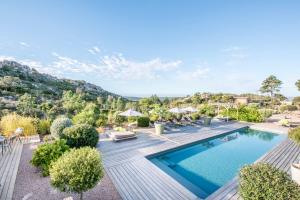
30,185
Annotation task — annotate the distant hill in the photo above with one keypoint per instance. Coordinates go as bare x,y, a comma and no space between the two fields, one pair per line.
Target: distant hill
17,79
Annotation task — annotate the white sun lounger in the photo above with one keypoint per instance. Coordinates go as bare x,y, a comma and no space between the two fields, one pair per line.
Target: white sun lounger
122,135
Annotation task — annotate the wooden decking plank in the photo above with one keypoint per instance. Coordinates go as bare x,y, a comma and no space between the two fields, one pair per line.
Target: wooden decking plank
121,186
173,184
5,178
14,174
286,159
154,183
145,186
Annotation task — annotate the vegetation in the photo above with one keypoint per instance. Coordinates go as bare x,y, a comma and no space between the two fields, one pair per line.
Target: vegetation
271,85
81,135
77,171
284,108
262,181
11,122
298,84
44,127
59,125
89,115
244,113
47,153
294,134
143,121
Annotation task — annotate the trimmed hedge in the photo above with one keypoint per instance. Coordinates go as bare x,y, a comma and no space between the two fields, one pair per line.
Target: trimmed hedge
77,171
294,134
143,121
58,125
47,153
81,135
262,181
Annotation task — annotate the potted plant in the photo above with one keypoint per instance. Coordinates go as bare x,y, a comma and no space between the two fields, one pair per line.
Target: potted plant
294,134
209,114
160,112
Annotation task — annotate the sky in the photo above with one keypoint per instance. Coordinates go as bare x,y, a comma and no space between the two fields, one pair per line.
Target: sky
169,48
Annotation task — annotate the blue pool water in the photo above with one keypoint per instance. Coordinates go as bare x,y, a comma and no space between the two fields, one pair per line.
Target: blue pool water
206,166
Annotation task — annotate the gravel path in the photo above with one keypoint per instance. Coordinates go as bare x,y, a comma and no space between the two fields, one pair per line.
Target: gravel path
30,185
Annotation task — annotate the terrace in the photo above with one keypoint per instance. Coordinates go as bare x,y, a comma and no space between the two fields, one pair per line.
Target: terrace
135,177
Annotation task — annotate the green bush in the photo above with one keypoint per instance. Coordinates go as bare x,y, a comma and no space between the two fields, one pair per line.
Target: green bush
81,135
296,101
143,121
117,119
245,113
77,171
47,153
59,125
288,108
294,134
88,115
266,113
102,121
262,181
195,116
44,127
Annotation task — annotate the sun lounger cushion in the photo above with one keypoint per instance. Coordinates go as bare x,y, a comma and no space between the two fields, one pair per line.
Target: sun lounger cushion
118,135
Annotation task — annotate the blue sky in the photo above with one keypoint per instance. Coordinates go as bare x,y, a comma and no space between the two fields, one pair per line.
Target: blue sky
168,47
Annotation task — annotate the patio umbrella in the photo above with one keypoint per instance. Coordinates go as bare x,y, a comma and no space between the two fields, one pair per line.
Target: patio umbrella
176,110
131,113
190,109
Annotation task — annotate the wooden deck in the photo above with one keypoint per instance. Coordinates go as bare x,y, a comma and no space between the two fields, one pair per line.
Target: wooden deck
281,157
135,177
9,163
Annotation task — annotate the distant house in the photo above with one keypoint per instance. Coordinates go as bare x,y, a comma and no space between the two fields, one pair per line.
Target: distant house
241,100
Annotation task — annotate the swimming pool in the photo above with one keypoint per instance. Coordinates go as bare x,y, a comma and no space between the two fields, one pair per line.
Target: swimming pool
206,166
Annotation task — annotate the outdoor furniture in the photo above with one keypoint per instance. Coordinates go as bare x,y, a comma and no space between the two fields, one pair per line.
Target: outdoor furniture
6,143
17,134
122,135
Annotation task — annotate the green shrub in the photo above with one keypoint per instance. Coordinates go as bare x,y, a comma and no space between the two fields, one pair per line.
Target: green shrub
294,134
262,181
102,121
117,119
88,115
284,122
77,171
44,127
266,113
296,101
288,108
59,125
81,135
143,121
195,116
245,113
47,153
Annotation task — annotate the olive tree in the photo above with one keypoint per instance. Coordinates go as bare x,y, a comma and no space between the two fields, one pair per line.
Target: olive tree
77,171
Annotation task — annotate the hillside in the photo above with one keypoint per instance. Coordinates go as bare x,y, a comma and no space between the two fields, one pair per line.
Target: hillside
17,79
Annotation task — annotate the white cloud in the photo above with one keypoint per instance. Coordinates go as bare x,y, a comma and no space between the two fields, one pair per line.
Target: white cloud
235,55
24,44
232,48
115,67
94,50
11,58
198,73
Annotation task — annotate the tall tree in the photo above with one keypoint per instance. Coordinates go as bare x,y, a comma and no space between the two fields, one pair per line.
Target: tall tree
298,84
271,85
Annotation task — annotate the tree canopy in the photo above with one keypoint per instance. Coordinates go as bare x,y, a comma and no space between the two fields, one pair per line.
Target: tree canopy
298,84
271,85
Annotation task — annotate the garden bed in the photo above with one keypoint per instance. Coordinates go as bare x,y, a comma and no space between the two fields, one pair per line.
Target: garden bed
31,185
